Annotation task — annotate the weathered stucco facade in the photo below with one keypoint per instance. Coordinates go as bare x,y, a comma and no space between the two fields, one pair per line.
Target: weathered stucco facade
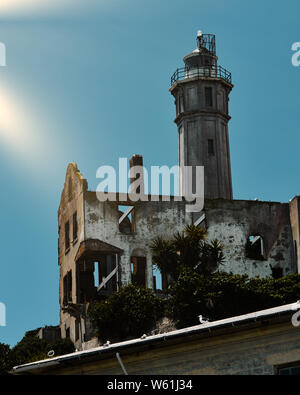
234,221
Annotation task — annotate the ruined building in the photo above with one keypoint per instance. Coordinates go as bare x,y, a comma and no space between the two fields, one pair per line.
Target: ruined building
103,245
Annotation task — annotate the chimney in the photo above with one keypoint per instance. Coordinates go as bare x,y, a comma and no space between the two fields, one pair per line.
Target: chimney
137,173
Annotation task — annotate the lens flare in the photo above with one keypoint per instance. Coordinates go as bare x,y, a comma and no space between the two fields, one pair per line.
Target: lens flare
22,5
25,7
16,125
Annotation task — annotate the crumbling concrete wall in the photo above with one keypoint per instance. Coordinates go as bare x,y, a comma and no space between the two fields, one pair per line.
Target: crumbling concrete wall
230,221
71,202
295,224
151,219
233,221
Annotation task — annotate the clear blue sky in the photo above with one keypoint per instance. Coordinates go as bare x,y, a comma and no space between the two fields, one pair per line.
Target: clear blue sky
87,81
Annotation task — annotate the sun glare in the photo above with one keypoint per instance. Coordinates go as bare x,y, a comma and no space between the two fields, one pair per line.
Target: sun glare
25,7
16,129
31,7
16,5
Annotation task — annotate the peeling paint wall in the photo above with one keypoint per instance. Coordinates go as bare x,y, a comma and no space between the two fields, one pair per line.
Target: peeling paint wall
232,222
151,219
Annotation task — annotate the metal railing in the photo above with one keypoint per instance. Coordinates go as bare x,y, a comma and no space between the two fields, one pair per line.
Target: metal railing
207,41
199,72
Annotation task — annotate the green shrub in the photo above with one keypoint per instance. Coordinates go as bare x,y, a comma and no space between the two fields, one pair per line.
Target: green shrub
223,295
128,313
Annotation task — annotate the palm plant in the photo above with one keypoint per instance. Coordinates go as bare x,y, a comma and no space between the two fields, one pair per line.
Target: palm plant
188,249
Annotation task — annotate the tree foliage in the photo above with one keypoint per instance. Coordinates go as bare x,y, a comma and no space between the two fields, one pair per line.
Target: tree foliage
4,358
31,349
128,313
222,295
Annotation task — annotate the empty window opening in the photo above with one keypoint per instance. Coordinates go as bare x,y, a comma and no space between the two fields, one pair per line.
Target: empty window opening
289,370
255,247
77,329
107,269
295,257
277,272
85,281
138,271
75,227
208,97
67,236
96,274
157,279
67,288
65,285
126,219
210,147
102,278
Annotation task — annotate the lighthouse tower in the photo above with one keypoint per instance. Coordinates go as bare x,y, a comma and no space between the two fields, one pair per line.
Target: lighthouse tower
201,90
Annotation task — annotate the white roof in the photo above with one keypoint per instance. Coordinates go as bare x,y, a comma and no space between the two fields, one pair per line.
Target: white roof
164,336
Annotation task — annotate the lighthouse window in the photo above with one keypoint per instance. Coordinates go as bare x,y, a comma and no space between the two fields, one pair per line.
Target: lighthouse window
208,97
210,147
192,96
